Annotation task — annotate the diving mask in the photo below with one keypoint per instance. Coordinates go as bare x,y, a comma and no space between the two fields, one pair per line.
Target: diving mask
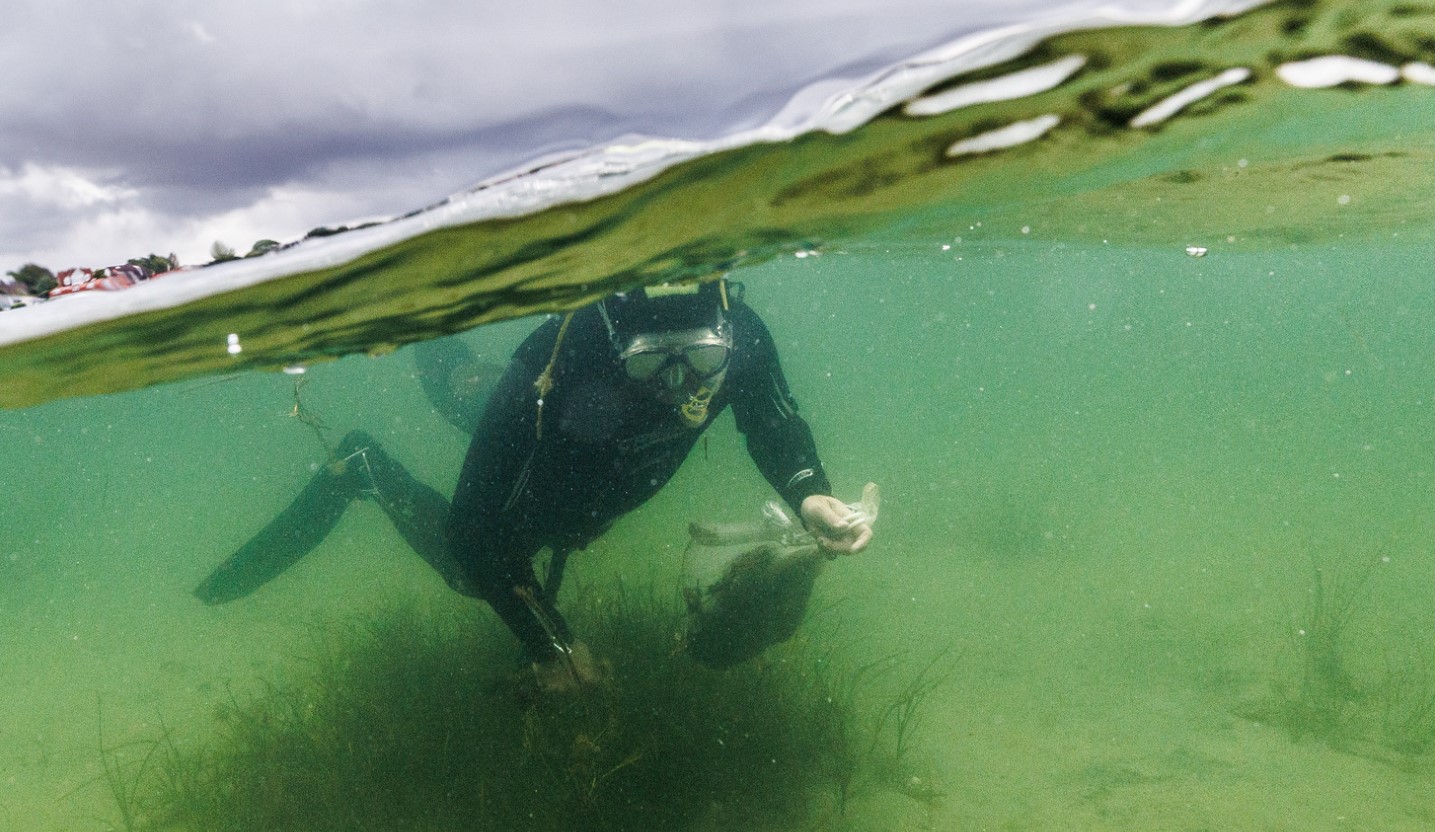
674,356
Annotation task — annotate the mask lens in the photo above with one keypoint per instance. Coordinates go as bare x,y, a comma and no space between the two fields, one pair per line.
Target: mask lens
645,365
706,359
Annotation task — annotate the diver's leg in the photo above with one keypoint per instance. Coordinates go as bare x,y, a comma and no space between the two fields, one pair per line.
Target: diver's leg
456,383
556,564
418,512
299,528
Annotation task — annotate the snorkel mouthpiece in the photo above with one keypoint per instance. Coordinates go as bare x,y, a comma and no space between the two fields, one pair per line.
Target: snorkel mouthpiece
695,409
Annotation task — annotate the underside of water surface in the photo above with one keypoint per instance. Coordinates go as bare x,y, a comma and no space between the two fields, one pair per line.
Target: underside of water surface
1252,163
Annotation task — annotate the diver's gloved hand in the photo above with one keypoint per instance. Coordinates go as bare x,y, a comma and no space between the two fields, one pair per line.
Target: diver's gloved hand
837,527
571,672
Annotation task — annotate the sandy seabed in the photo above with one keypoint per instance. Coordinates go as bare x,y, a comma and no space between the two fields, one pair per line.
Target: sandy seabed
1080,699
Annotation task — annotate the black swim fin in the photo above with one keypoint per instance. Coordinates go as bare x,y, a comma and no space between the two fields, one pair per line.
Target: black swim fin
299,528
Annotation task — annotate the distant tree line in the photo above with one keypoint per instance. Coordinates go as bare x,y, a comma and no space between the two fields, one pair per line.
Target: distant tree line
34,278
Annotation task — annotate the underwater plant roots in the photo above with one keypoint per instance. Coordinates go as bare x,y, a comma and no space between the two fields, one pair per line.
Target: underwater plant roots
410,721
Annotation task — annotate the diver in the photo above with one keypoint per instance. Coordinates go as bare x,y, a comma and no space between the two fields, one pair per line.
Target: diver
594,414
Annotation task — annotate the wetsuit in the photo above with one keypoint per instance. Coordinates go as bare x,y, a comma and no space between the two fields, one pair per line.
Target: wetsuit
606,445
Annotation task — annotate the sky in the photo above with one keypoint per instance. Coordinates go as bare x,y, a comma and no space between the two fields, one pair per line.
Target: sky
166,125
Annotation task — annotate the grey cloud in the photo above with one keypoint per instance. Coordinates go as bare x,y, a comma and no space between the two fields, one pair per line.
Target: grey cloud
202,107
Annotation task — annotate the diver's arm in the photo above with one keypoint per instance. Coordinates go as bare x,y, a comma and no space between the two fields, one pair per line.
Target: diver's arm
781,444
778,440
786,454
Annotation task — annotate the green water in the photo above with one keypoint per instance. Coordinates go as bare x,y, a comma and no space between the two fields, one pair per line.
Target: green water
1105,473
1108,470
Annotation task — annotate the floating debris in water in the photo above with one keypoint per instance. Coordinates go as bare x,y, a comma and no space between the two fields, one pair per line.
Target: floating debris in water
1196,251
295,370
1334,70
1168,107
1002,138
234,347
